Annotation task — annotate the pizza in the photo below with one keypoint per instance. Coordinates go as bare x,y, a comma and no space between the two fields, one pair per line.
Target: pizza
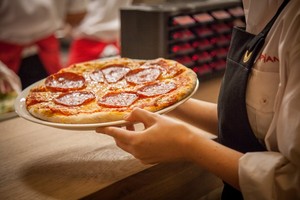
107,90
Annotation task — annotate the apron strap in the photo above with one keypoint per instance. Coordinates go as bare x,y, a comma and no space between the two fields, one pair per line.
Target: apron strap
259,40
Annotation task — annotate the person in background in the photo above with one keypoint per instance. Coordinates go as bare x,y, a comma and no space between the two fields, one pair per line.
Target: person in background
257,116
99,29
28,45
10,87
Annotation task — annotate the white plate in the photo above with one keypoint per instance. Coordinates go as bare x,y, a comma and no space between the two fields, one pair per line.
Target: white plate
21,110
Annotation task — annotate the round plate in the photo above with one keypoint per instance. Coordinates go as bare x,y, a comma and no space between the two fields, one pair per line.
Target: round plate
21,110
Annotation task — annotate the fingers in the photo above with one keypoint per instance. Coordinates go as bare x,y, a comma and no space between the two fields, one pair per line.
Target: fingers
123,138
130,127
119,134
141,115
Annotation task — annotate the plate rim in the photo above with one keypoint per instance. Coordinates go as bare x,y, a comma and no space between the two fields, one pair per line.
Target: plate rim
20,109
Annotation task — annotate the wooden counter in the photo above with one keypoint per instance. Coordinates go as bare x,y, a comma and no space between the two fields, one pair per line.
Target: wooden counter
40,162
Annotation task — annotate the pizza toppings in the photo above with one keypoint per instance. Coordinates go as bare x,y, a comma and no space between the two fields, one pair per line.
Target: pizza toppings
116,100
113,74
156,89
169,70
143,75
38,97
102,91
97,76
65,81
74,98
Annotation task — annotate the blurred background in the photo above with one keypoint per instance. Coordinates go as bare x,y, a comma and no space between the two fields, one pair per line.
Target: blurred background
39,37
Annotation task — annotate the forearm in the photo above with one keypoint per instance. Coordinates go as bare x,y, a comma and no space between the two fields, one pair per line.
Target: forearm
198,113
214,157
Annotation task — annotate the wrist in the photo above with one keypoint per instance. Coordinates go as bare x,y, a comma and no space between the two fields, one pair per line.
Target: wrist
187,142
195,144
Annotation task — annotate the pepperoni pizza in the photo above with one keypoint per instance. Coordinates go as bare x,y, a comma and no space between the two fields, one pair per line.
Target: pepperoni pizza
106,90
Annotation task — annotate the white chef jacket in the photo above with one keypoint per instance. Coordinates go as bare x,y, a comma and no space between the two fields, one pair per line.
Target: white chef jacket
25,21
273,104
102,21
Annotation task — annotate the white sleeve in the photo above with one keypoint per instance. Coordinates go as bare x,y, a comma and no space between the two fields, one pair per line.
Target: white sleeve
276,174
269,175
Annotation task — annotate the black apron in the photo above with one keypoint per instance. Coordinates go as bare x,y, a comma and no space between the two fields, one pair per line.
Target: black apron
234,127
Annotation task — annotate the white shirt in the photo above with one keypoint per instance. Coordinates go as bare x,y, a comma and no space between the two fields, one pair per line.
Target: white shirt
102,21
273,104
25,21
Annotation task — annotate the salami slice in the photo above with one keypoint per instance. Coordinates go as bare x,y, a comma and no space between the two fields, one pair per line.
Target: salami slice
117,100
156,89
74,98
168,70
143,75
97,76
65,81
38,97
113,74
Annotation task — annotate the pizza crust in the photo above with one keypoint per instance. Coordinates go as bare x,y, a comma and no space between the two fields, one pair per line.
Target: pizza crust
80,118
